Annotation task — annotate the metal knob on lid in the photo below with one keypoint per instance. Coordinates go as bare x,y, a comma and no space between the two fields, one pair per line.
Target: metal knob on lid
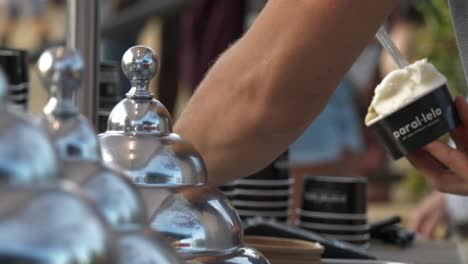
27,154
140,112
61,70
140,64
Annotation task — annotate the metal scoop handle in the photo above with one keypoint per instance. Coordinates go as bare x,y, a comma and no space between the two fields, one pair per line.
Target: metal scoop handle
388,44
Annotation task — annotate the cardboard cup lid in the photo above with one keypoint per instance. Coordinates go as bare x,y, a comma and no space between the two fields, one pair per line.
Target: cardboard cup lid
281,246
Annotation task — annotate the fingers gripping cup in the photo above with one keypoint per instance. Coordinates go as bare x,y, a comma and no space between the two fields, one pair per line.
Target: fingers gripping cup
411,107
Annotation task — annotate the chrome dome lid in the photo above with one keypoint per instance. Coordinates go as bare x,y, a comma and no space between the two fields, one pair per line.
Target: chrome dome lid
53,224
200,223
61,70
123,209
27,155
197,220
116,198
139,139
154,161
145,246
112,193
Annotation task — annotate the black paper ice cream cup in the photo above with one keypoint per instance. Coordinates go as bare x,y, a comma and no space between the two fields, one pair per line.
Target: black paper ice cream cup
335,195
418,123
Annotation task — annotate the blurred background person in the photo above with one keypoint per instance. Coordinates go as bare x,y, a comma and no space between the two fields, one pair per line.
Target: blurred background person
15,9
337,143
429,215
332,145
113,46
207,29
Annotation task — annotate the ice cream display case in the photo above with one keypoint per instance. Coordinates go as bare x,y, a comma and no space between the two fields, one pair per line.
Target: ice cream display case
139,193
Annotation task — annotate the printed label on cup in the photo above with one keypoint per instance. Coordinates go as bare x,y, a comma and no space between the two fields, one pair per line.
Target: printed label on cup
326,196
418,123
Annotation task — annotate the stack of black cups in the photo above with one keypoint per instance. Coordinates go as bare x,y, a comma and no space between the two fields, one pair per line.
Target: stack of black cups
265,194
228,189
336,207
14,64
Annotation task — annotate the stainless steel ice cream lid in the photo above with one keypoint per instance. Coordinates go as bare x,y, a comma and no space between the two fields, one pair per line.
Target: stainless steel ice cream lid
28,157
139,139
154,160
73,136
198,220
53,224
60,70
27,154
112,193
171,175
122,208
202,225
144,246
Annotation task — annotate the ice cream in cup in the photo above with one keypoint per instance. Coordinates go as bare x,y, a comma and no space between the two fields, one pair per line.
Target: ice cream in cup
411,107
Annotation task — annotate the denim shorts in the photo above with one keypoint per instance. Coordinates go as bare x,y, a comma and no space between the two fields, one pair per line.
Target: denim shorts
336,129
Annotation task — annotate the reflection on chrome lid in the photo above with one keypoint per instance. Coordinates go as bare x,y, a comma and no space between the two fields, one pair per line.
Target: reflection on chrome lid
53,224
143,246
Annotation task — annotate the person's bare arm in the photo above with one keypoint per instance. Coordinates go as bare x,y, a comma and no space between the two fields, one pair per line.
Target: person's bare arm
267,88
